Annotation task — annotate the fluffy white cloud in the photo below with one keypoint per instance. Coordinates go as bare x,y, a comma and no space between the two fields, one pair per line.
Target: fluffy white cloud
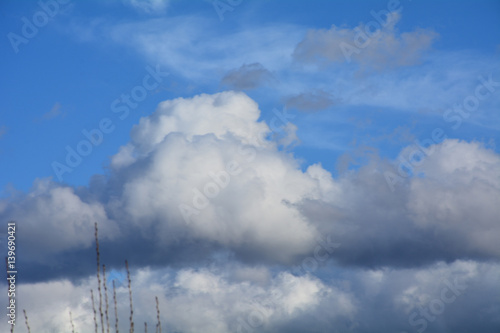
261,207
453,295
203,299
202,168
190,301
48,305
197,171
459,193
447,210
52,219
201,173
220,114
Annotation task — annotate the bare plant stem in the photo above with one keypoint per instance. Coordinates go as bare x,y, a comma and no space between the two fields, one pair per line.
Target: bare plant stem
93,308
27,323
130,295
158,325
99,278
145,327
105,296
116,307
71,321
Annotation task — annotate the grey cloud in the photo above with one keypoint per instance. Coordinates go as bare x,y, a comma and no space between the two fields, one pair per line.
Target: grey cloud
52,212
311,101
384,48
173,156
233,258
269,212
192,300
448,214
209,299
247,77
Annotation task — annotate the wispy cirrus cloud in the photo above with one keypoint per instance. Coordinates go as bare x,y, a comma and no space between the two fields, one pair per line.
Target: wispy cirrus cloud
3,130
55,111
149,6
192,47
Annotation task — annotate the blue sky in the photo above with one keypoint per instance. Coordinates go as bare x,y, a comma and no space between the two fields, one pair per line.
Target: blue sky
65,67
342,91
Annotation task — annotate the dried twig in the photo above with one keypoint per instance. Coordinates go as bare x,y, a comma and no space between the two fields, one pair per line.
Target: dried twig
145,327
93,308
105,296
130,295
27,324
116,307
99,278
158,325
71,322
